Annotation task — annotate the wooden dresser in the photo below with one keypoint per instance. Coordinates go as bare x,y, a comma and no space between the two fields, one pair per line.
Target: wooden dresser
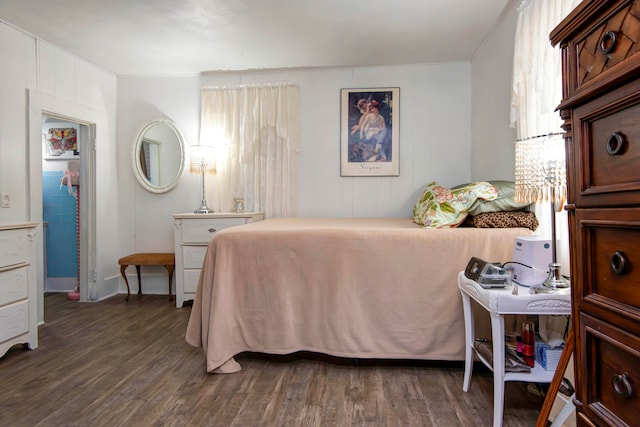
18,294
600,46
192,235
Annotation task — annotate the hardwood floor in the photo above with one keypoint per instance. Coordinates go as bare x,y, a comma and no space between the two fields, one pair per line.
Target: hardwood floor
114,363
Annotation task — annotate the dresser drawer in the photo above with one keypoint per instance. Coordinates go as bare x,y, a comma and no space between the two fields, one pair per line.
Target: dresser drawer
608,248
607,149
202,230
192,256
191,278
14,247
610,41
14,285
611,373
14,320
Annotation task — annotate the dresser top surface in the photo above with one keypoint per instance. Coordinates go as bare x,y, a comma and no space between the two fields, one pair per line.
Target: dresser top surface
17,225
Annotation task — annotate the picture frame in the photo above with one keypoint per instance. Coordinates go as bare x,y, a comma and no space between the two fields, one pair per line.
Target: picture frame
60,143
369,131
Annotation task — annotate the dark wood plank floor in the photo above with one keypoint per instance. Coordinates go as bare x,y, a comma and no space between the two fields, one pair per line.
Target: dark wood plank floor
114,363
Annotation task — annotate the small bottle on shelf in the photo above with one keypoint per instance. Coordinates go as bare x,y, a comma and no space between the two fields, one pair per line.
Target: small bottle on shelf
528,342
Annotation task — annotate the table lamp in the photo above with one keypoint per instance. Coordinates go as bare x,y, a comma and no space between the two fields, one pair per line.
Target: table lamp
541,177
202,161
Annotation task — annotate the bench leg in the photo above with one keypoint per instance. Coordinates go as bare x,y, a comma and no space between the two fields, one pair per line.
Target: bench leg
139,281
170,269
122,269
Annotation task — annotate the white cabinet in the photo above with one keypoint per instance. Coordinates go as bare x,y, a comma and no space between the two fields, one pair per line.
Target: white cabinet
192,235
18,294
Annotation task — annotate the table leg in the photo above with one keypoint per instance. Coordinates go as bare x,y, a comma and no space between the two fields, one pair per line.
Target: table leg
469,334
139,281
122,269
497,335
170,269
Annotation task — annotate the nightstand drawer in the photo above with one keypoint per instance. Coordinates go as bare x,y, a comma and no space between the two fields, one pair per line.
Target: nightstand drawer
611,372
201,231
191,278
14,285
192,256
608,242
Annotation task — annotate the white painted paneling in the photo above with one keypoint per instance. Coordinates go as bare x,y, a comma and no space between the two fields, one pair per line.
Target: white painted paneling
493,139
52,76
146,222
435,138
17,52
46,68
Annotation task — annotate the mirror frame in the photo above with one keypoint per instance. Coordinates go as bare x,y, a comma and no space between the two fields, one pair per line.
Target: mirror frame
135,156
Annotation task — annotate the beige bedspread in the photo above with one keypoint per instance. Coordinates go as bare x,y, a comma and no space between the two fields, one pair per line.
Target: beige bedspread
361,288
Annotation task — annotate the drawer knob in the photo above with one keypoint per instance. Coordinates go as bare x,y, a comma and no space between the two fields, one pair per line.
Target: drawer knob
212,230
608,42
619,262
622,385
615,144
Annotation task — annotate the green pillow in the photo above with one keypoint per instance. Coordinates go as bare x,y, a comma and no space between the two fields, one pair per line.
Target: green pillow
503,202
440,207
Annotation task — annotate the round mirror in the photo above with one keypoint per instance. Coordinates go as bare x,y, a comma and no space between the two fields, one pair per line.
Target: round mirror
159,156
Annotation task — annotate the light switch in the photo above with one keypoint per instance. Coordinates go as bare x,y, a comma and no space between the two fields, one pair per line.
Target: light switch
6,200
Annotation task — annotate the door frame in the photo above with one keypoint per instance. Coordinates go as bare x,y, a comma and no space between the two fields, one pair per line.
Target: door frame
40,105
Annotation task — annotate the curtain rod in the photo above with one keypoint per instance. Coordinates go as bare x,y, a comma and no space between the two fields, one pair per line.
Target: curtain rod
540,136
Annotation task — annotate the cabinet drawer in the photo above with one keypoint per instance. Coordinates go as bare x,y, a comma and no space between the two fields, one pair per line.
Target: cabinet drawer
610,371
202,230
14,320
607,149
14,285
609,42
192,256
13,247
191,278
608,248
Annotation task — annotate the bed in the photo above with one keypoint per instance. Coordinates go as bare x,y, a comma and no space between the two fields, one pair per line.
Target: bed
374,288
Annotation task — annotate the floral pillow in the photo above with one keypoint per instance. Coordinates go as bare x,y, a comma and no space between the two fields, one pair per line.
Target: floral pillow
440,207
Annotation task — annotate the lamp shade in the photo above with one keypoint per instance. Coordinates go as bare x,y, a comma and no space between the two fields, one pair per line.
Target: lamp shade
540,173
202,159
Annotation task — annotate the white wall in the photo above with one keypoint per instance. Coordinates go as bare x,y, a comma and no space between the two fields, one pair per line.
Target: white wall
493,145
435,139
35,77
453,128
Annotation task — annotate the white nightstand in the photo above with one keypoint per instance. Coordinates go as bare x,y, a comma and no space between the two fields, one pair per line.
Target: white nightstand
499,302
192,235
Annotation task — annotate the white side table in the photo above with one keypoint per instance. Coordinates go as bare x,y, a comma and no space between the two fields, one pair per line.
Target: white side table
499,302
191,237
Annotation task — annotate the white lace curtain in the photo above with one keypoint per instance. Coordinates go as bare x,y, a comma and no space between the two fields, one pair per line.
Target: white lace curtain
536,92
256,132
537,70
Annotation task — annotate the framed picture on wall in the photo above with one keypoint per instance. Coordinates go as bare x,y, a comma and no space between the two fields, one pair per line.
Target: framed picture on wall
369,132
61,143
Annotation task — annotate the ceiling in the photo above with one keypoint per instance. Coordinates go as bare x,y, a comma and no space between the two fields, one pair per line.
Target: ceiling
166,37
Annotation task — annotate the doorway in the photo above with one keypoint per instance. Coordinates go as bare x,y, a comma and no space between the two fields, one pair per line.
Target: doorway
43,108
74,236
63,141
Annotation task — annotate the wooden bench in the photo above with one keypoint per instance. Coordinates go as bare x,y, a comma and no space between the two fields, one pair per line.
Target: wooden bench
168,260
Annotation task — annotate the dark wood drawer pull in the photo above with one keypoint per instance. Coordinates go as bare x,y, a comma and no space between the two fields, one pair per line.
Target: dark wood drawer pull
608,42
212,230
622,385
615,144
619,262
